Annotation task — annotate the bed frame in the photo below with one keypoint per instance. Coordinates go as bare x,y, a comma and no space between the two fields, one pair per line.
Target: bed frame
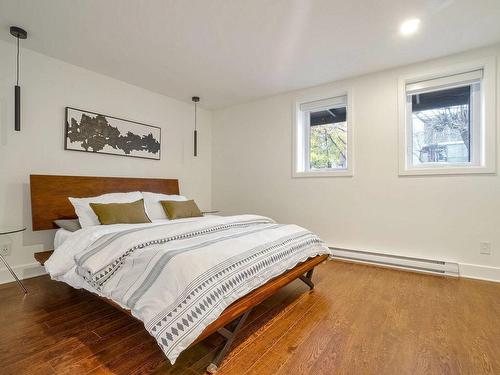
49,202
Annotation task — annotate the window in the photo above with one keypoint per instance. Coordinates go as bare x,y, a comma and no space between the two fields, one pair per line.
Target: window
442,124
445,124
323,137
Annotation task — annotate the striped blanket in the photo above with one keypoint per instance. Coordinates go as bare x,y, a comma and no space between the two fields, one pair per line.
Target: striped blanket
178,277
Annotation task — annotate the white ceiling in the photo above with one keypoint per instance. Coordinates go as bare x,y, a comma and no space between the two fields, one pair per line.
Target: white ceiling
232,51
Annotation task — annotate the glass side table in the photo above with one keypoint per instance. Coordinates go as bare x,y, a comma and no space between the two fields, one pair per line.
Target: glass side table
4,232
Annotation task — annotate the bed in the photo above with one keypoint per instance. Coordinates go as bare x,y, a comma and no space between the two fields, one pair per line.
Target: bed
184,279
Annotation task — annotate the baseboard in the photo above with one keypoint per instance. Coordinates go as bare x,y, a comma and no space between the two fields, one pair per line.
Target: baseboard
475,271
23,271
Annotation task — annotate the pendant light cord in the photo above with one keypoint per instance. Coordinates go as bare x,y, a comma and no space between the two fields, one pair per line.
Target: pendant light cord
17,82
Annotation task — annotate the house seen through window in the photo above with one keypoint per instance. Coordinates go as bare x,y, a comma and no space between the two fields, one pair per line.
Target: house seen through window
441,126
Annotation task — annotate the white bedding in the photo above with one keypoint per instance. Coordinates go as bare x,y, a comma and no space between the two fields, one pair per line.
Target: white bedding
60,237
178,276
63,258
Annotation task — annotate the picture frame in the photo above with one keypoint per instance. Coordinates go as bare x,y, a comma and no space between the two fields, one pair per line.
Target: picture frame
88,131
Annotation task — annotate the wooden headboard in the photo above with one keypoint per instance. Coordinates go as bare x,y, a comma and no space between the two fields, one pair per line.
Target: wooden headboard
49,194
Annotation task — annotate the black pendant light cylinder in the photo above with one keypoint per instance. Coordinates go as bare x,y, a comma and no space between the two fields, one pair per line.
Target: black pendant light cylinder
17,108
195,100
18,33
195,143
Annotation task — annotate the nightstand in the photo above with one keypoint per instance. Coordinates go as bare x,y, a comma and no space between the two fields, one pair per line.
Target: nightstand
4,232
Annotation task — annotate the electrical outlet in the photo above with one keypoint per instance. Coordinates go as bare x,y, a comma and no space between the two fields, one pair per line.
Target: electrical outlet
485,248
5,249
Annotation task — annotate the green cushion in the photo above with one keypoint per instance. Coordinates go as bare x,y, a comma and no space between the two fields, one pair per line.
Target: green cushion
121,213
181,209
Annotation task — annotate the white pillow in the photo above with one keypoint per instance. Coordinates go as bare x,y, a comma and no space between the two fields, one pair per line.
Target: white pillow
154,209
86,215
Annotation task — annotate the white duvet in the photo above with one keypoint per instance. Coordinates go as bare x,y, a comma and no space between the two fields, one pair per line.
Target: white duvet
179,276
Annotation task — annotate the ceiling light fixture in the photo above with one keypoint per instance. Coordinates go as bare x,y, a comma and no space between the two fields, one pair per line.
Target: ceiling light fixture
19,34
195,100
410,26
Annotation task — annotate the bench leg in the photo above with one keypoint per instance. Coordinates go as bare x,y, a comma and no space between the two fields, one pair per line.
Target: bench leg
229,336
307,278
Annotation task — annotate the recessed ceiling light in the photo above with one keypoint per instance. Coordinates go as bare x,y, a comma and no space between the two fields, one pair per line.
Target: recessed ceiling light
410,26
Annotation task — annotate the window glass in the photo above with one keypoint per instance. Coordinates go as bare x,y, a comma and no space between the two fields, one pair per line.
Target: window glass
441,126
328,139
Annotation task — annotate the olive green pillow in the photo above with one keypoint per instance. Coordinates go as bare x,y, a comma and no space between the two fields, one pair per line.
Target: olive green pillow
121,213
181,209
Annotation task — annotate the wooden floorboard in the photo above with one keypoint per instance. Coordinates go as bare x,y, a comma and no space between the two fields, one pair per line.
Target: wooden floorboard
358,320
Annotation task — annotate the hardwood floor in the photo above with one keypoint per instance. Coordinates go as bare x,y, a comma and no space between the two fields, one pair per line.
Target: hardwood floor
359,320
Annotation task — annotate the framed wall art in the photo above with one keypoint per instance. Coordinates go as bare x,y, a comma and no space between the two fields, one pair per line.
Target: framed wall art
93,132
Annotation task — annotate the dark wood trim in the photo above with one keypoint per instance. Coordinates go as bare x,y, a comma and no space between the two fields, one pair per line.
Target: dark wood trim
49,193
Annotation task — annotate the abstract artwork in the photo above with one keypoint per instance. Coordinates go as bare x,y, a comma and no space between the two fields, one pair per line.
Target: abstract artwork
92,132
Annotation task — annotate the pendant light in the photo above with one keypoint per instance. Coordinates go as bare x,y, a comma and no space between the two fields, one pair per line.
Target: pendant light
19,34
195,100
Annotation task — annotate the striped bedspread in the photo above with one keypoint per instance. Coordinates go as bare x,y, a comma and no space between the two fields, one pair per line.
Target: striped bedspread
178,277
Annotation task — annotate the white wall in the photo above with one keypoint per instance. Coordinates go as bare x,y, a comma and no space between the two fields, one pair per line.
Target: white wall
48,85
436,217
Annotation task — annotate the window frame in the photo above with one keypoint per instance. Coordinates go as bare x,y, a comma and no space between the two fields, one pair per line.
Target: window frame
483,138
301,140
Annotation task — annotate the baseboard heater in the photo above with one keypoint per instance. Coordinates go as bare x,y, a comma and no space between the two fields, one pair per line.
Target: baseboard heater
438,267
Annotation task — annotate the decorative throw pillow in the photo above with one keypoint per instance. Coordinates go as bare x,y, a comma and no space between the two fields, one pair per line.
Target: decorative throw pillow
181,209
86,215
121,213
71,225
154,209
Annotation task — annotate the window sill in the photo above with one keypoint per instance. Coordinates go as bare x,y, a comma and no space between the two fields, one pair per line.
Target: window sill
447,170
339,173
